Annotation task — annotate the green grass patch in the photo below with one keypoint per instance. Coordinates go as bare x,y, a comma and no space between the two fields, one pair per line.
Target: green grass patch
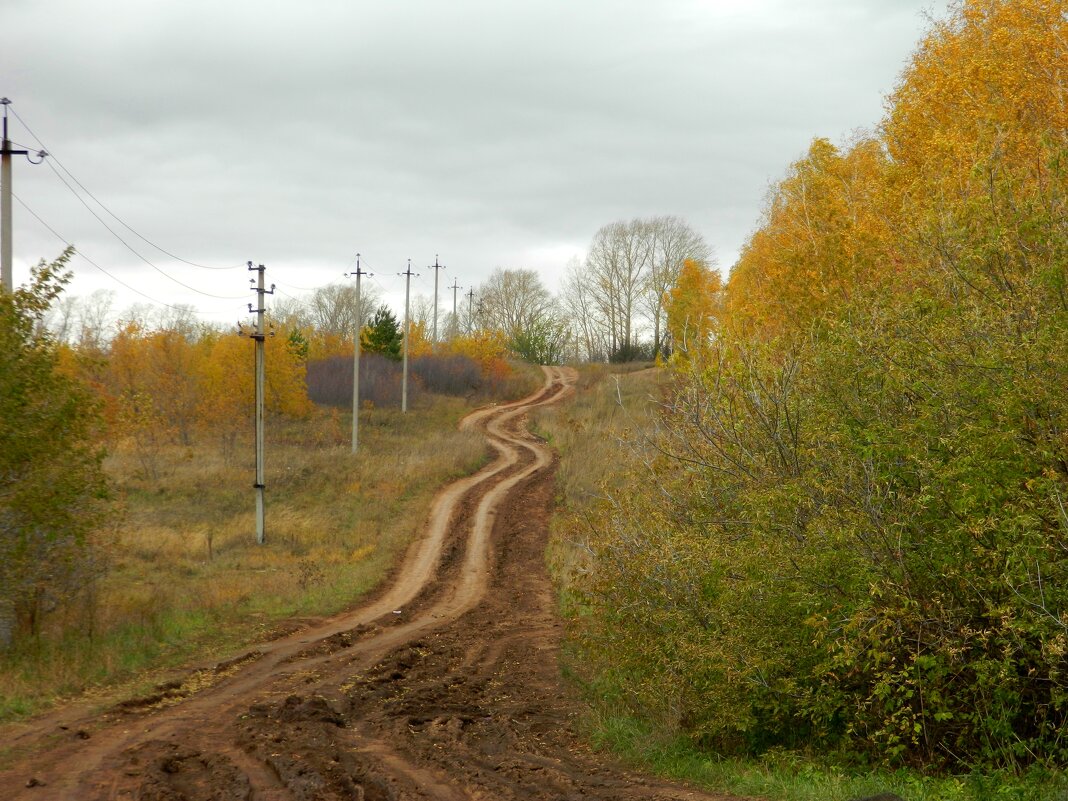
782,776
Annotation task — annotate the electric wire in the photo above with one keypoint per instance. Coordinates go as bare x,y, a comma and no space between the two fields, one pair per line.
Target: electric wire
126,225
285,294
130,247
110,275
300,288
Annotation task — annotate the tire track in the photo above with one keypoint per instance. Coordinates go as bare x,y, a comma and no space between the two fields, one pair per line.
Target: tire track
457,697
71,765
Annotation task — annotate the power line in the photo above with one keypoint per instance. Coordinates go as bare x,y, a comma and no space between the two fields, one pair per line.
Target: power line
130,248
113,214
287,295
375,280
113,277
302,288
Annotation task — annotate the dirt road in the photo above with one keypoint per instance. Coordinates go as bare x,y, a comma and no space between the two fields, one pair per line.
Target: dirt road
444,685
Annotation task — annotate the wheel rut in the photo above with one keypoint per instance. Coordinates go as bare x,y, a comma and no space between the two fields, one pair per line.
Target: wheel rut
457,697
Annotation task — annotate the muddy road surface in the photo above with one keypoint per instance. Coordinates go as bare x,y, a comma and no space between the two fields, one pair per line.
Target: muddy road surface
444,685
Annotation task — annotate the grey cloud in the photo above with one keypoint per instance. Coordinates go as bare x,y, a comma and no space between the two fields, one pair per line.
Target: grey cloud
298,133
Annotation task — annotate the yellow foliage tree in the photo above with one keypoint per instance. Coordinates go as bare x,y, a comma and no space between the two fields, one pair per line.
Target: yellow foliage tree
978,136
692,307
167,385
419,343
823,235
488,348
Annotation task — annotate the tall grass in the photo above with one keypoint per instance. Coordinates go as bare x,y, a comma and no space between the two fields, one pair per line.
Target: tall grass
185,579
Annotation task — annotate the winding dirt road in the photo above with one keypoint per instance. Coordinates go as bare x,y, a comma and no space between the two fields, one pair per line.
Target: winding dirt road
444,685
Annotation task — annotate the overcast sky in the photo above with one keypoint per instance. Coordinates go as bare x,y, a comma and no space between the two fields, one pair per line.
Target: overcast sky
491,132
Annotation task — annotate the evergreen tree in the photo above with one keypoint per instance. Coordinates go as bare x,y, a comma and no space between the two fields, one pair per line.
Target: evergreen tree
382,335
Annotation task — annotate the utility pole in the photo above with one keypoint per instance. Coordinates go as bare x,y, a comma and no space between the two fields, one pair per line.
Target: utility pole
260,336
356,359
470,302
455,321
407,335
7,281
436,268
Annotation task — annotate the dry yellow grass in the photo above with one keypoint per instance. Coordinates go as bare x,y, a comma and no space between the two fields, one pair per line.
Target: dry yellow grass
184,579
593,431
596,433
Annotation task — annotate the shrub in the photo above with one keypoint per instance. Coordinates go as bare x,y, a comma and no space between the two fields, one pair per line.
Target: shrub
52,486
330,381
448,375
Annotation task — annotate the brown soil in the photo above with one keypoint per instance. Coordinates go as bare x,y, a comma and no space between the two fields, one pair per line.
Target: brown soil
444,685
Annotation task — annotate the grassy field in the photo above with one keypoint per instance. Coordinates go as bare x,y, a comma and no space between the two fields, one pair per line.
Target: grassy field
181,578
598,435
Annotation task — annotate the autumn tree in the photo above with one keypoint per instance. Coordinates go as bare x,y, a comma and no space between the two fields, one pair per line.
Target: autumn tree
692,306
824,236
52,486
852,537
154,372
488,348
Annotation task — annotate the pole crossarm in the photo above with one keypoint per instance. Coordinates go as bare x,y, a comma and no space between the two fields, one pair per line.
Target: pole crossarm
7,281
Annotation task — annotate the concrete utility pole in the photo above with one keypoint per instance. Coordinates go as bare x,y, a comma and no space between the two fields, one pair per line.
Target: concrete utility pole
436,267
260,336
470,302
407,335
455,321
7,281
356,359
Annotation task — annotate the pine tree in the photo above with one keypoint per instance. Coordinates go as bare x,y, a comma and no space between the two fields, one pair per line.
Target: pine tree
382,335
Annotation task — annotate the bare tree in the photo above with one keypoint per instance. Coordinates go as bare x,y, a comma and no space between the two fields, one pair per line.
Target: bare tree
422,311
618,263
589,335
512,301
620,289
672,243
180,319
61,318
290,310
95,319
332,309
